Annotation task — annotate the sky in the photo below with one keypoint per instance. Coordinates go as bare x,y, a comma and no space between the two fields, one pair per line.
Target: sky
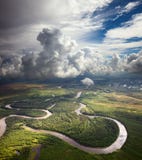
51,38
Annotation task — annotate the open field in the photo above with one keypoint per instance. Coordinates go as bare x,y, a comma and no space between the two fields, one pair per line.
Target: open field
126,109
27,112
17,143
21,148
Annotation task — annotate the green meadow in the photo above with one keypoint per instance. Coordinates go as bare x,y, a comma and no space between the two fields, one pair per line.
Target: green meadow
20,144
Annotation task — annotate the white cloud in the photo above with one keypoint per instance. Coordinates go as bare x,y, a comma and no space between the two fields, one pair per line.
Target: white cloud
130,29
77,18
131,6
66,14
60,58
10,66
111,46
117,40
134,63
87,82
122,45
80,7
78,28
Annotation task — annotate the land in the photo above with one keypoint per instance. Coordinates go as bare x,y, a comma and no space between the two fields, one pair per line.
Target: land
32,99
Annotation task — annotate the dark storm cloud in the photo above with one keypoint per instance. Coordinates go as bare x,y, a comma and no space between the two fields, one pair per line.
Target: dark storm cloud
10,66
14,13
5,46
20,21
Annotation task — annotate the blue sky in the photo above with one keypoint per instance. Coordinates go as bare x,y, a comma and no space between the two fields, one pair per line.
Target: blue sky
116,14
70,37
84,21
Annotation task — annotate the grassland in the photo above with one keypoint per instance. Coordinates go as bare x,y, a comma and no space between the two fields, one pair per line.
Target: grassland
80,128
19,144
26,112
125,108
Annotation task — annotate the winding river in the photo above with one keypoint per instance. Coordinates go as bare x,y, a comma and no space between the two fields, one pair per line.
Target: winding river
117,144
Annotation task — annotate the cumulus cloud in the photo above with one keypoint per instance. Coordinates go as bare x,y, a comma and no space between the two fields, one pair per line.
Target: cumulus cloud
55,43
54,59
58,55
87,82
134,63
62,58
117,63
10,66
